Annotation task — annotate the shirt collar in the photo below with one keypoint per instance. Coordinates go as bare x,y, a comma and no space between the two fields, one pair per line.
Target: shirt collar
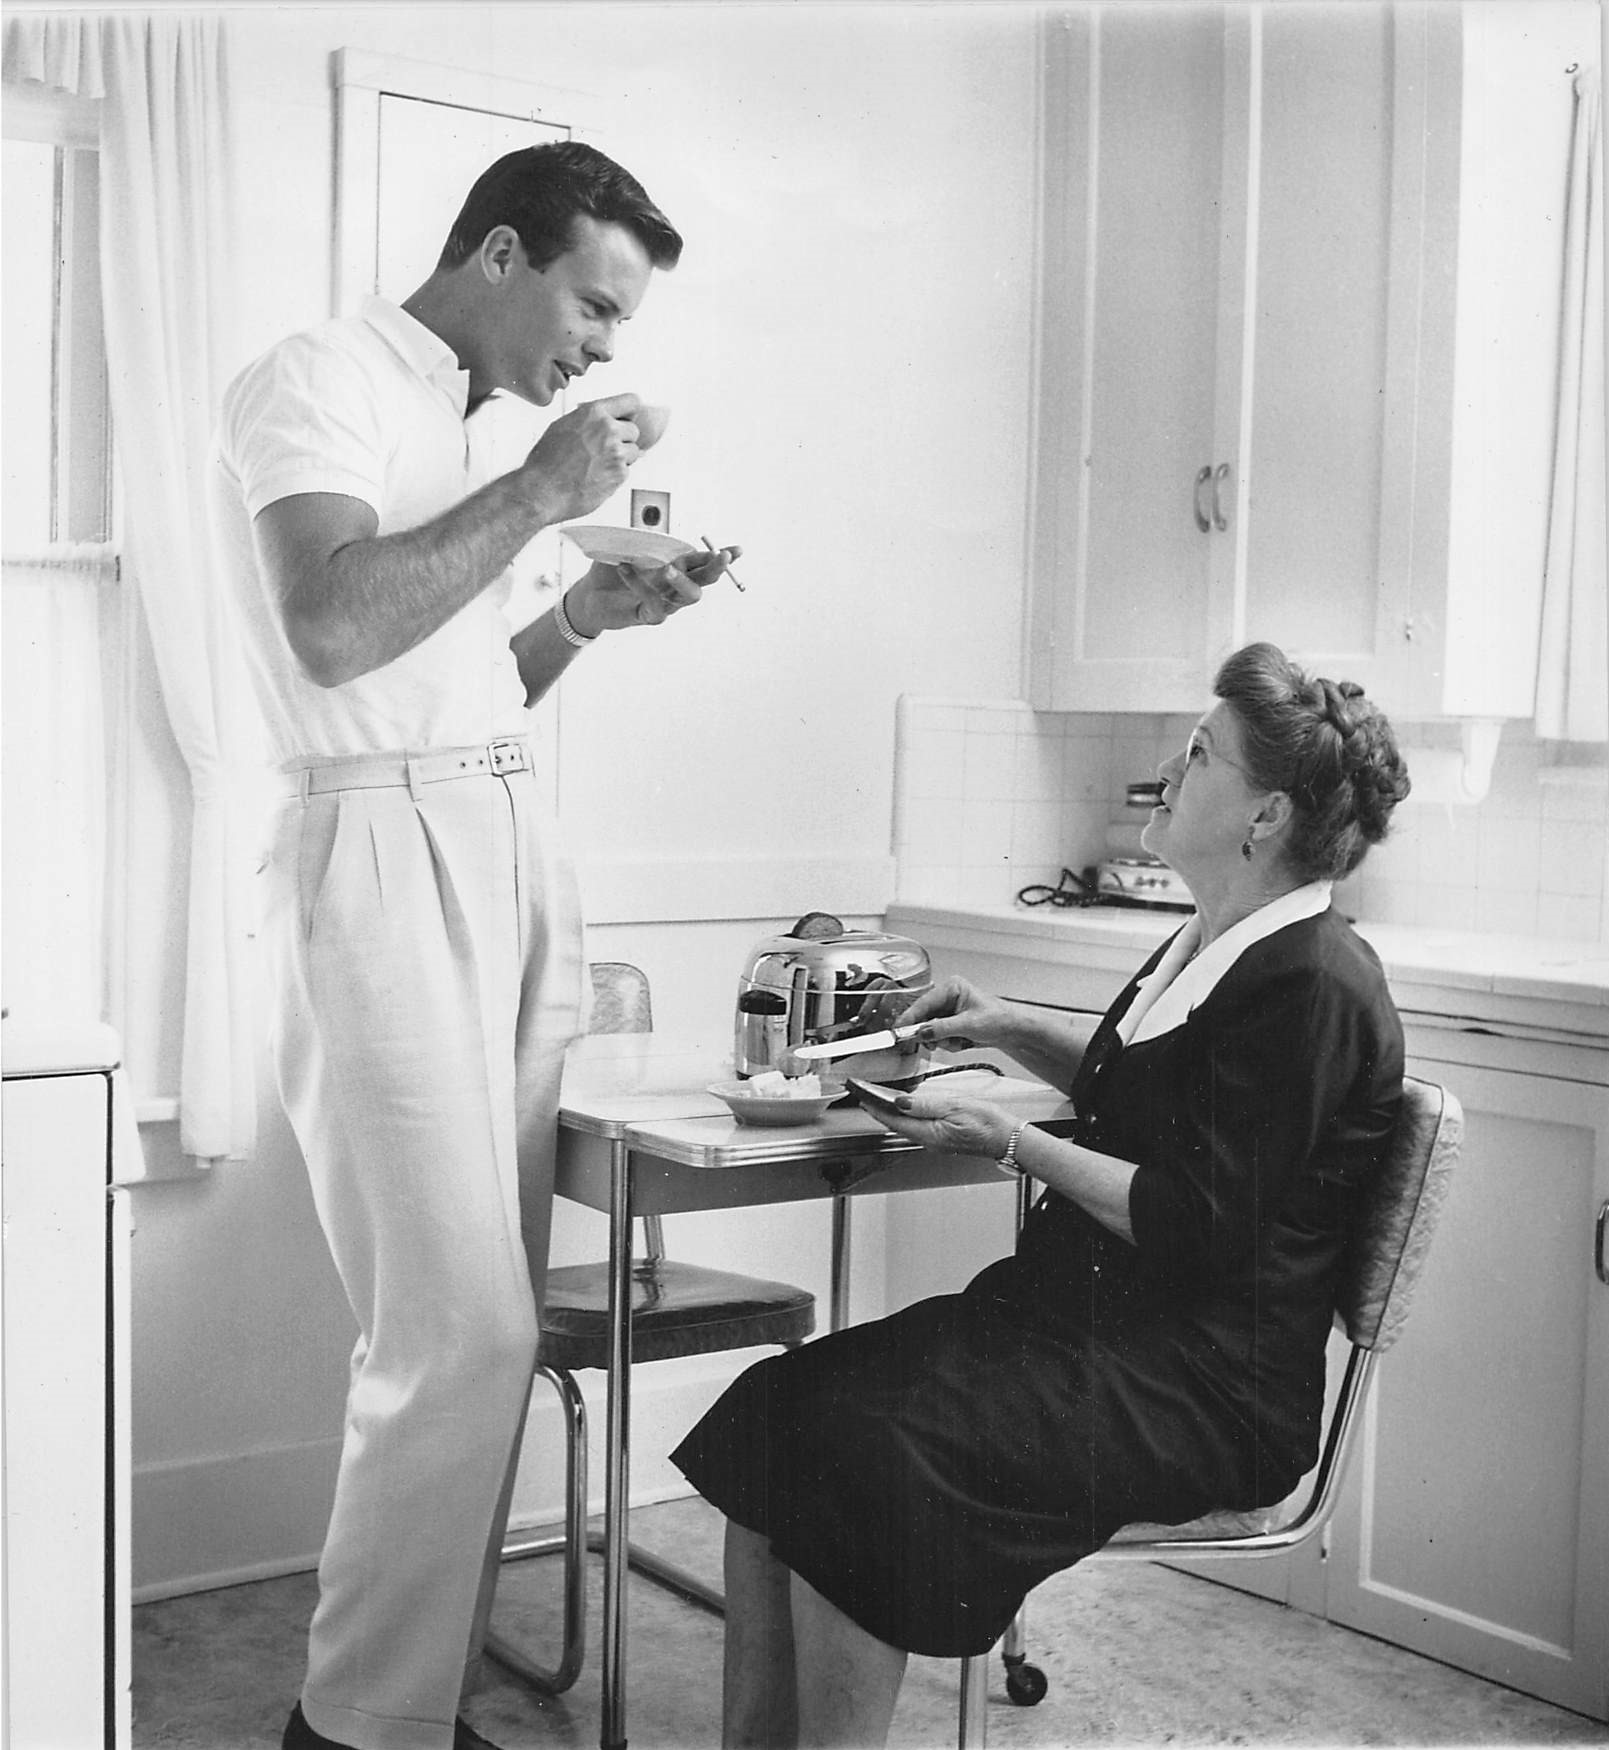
1179,983
420,348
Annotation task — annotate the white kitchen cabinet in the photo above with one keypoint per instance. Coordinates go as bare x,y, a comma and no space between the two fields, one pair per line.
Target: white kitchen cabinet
1300,283
1475,1522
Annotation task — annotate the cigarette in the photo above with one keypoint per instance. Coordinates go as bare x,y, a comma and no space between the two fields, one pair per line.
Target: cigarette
729,571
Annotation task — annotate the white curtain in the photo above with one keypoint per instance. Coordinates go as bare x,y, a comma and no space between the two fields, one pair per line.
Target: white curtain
1572,695
168,259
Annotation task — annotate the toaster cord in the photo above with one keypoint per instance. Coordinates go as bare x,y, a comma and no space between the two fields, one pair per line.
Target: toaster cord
951,1069
1071,889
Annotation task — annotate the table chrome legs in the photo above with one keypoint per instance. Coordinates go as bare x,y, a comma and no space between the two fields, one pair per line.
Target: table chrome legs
616,1506
838,1309
618,1458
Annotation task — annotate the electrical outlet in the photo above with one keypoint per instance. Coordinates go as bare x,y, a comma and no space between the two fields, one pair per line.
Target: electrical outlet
650,510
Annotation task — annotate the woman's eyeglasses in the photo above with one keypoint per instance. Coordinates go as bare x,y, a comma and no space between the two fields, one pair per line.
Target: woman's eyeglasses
1195,745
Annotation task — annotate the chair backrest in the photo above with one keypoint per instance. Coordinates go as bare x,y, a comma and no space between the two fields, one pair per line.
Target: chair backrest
620,999
1398,1215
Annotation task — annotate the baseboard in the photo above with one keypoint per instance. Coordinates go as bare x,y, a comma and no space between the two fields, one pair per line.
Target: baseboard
221,1521
199,1524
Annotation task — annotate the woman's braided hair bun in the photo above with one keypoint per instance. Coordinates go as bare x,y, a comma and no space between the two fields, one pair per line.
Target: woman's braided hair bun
1327,746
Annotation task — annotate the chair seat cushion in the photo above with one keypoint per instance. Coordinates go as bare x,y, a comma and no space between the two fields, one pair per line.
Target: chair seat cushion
1225,1523
676,1309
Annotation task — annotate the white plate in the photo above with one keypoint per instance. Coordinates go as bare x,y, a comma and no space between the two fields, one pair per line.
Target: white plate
606,546
748,1107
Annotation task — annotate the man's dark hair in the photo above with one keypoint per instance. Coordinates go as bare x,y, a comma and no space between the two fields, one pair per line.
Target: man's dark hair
539,190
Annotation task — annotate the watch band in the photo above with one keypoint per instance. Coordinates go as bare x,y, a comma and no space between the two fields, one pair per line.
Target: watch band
566,631
1008,1163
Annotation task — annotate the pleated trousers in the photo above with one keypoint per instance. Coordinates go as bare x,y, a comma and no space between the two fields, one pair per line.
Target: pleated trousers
426,941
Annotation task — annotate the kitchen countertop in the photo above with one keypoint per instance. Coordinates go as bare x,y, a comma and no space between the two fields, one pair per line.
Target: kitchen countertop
1553,986
35,1049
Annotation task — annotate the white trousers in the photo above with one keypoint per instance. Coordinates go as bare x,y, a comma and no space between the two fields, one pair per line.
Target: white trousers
427,945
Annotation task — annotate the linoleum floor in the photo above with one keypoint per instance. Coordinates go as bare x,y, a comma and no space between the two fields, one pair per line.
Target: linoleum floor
1135,1655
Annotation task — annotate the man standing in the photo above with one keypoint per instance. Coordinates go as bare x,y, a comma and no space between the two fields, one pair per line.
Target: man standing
423,924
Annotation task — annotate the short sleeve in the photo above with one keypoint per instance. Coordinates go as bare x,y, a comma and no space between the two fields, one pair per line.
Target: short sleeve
306,417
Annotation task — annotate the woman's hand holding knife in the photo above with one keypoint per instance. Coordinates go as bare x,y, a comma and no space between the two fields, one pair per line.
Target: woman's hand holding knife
952,1013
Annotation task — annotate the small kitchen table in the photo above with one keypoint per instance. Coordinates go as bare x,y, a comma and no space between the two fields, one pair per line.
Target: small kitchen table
640,1135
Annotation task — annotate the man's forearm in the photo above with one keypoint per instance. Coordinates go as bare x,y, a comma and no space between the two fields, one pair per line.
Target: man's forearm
373,600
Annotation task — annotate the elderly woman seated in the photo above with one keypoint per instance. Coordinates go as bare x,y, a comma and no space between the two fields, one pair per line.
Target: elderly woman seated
1154,1348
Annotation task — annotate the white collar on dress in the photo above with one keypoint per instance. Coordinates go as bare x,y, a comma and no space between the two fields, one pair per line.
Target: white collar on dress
420,348
1178,983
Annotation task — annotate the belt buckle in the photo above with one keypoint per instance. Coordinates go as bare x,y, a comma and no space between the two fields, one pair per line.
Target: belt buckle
507,756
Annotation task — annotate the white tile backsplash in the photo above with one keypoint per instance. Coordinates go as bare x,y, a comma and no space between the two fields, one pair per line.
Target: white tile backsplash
993,796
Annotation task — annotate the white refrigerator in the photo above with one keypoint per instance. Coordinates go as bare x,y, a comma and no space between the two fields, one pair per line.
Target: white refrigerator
66,1140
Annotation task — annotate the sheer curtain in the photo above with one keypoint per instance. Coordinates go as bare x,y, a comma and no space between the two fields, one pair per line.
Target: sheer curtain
165,240
1572,695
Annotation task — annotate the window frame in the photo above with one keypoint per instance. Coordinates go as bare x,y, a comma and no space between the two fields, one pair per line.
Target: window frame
85,486
83,510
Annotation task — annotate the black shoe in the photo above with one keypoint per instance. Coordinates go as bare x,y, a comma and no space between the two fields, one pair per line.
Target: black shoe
299,1735
465,1737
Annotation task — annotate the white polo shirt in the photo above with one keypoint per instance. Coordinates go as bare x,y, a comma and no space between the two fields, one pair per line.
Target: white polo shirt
372,406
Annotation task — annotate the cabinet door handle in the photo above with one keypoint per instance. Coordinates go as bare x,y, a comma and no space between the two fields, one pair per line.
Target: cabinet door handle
1201,516
1600,1262
1219,520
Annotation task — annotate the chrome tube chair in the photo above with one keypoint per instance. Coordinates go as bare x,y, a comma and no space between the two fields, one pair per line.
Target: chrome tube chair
676,1309
1381,1271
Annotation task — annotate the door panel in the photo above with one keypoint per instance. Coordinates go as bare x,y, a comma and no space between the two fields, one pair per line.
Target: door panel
1319,355
1154,331
1474,1524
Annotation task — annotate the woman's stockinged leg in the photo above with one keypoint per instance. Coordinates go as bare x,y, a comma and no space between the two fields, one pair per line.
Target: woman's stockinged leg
847,1680
799,1674
758,1710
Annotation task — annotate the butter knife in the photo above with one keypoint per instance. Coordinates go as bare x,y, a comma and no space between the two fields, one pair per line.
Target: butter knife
886,1040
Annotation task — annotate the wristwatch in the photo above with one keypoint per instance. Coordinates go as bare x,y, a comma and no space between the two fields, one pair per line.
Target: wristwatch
1008,1162
562,625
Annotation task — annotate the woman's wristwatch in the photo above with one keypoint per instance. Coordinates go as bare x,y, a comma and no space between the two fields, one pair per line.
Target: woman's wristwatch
1008,1162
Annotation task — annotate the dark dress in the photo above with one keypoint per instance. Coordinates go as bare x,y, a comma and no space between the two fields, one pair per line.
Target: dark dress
925,1471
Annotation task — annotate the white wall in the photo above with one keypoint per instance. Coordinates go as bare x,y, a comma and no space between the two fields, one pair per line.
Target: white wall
846,347
993,795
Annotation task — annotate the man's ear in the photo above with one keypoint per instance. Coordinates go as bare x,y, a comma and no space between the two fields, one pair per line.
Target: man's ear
500,253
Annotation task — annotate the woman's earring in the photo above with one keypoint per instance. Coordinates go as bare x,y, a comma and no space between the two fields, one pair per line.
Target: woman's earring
1245,849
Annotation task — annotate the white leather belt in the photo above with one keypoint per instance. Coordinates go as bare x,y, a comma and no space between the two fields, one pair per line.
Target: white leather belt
380,771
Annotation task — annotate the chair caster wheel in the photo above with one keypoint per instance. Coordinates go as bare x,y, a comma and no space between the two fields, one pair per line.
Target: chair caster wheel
1026,1684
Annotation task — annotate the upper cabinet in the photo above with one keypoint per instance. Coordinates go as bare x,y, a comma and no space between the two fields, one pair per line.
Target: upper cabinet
1296,364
